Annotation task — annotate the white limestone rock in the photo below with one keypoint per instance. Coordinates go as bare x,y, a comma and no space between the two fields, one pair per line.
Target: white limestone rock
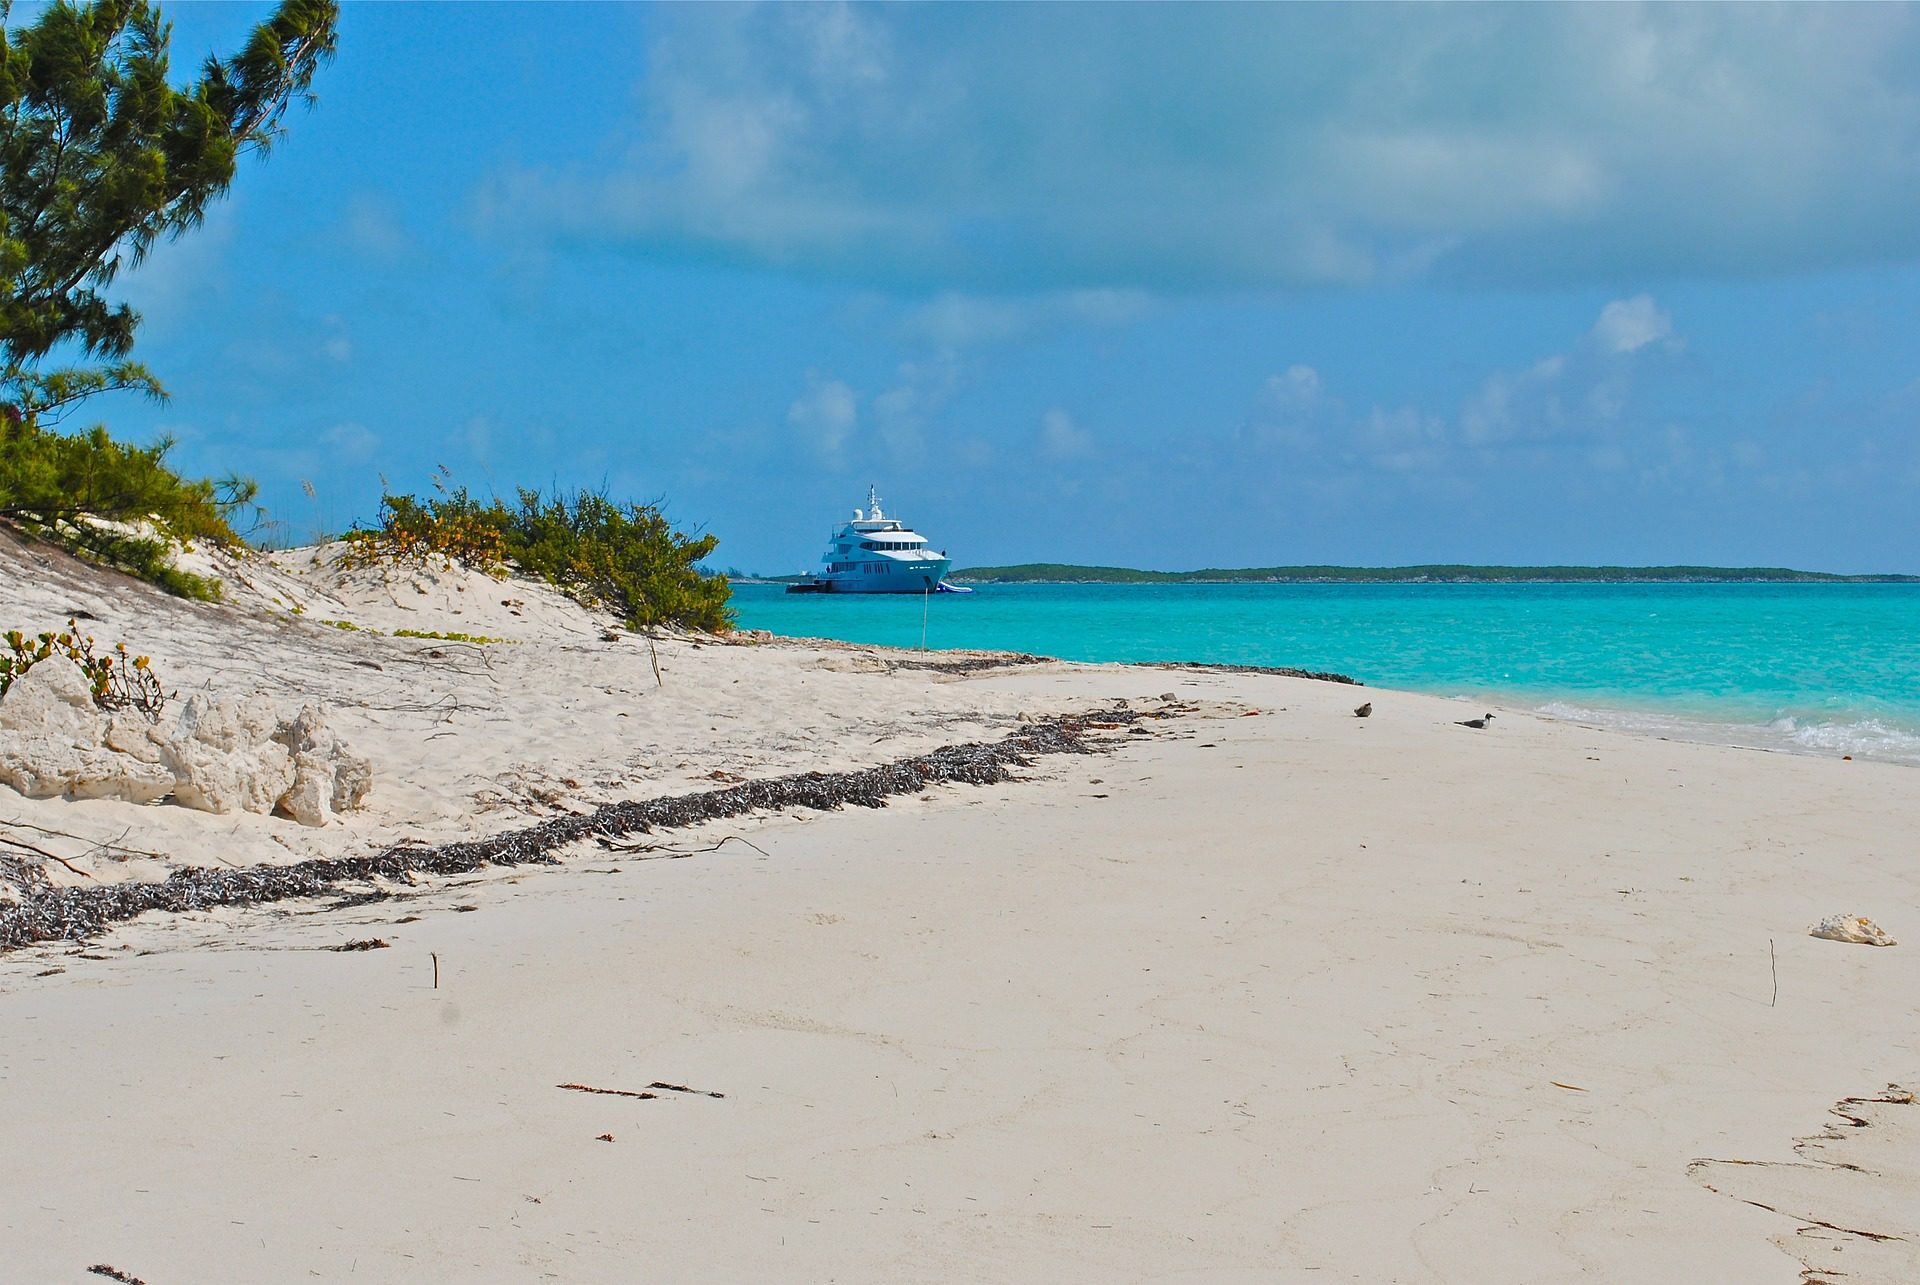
220,755
51,742
133,735
104,774
310,801
223,757
53,699
47,768
230,724
328,777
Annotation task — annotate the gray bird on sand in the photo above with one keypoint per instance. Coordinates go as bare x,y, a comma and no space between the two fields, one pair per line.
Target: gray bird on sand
1480,722
1364,710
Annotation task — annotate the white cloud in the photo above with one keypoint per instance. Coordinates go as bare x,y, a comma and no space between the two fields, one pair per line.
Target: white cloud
1061,438
1509,404
826,412
1295,411
1581,395
901,413
350,441
954,319
476,435
338,345
928,148
1583,390
1403,440
372,230
1626,325
1297,389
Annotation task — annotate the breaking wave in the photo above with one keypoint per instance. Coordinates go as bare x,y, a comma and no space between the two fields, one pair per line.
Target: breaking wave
1863,737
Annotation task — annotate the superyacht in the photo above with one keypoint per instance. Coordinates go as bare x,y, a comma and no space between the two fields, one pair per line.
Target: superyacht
874,553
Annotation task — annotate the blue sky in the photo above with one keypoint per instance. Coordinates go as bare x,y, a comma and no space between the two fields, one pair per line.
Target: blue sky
1157,286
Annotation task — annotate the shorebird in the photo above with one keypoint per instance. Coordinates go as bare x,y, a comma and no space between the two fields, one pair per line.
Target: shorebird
1364,710
1480,722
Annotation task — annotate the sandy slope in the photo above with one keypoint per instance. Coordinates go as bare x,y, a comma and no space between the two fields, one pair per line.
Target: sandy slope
465,740
1275,998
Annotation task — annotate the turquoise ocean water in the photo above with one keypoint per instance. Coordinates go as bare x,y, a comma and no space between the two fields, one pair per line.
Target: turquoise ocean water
1820,668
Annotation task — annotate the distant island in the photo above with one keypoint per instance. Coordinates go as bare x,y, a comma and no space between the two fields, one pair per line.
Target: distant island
1438,573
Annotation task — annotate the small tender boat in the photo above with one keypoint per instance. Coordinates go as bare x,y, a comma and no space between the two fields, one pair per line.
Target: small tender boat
877,554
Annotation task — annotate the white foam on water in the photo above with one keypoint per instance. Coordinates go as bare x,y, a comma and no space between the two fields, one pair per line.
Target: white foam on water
1864,737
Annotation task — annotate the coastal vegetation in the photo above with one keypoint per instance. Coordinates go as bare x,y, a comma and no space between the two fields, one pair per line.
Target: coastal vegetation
1436,573
626,558
114,503
102,158
117,681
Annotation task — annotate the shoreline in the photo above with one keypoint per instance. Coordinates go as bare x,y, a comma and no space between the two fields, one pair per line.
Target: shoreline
1884,741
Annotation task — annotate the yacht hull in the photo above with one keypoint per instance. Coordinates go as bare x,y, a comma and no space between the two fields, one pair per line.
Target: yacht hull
917,577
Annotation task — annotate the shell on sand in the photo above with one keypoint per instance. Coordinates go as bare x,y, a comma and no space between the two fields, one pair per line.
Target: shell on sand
1857,929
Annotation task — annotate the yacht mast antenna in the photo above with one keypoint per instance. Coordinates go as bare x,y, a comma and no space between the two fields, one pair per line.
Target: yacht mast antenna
873,504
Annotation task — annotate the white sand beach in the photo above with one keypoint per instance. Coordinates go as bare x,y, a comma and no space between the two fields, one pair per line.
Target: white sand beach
1265,992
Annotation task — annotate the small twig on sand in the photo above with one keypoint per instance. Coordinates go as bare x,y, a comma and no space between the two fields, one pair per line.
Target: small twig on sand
24,846
116,845
612,1093
681,1088
1773,961
655,653
436,969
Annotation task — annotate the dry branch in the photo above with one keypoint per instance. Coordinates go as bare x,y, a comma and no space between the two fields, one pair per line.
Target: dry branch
612,1093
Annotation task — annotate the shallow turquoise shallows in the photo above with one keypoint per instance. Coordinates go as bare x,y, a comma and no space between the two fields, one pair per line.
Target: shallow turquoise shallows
1825,668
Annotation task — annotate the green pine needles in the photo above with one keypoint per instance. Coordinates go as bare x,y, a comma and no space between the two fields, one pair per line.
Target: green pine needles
114,503
101,158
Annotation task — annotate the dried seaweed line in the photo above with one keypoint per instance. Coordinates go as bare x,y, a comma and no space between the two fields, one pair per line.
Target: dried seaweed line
968,664
75,914
1276,671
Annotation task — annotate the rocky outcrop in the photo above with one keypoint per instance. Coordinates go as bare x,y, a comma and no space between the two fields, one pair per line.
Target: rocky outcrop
53,743
219,755
327,776
224,757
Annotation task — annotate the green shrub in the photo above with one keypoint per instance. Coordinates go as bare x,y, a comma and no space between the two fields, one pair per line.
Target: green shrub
626,558
64,486
452,528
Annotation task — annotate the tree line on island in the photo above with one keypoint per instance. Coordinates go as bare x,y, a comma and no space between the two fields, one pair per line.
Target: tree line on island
102,157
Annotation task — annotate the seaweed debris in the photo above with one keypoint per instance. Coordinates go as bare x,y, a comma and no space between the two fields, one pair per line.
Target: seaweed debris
76,914
968,664
1277,671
